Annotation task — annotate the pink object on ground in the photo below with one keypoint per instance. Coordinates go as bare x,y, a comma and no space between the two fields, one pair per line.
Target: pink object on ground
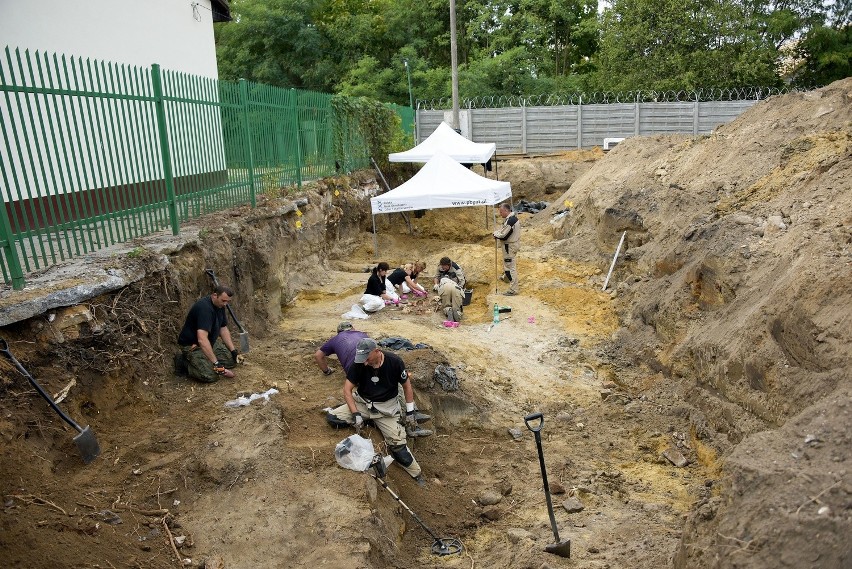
531,319
448,323
404,297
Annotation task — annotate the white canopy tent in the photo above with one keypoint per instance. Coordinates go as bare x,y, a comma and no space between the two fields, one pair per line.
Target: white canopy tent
441,183
447,141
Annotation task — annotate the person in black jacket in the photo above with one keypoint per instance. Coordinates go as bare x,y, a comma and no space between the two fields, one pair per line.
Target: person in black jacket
376,293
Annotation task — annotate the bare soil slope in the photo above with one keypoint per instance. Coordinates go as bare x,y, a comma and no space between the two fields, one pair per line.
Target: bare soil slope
696,412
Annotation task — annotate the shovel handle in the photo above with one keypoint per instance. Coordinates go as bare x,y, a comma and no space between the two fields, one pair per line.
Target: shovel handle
212,275
4,349
534,417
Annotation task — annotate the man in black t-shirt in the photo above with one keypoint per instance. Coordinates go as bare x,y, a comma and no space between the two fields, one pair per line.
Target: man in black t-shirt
205,341
370,392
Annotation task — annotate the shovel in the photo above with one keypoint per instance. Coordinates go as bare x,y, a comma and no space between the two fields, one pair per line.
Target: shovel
86,442
560,548
244,343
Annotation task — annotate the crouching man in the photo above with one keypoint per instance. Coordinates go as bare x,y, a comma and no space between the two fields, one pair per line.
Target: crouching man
449,284
370,391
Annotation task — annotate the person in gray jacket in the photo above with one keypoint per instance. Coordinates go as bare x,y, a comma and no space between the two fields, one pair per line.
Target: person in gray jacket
509,238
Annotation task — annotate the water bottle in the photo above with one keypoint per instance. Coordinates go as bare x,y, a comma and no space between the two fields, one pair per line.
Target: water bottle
496,313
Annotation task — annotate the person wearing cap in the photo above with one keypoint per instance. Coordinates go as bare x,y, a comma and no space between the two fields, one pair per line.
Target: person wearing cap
342,345
370,392
449,284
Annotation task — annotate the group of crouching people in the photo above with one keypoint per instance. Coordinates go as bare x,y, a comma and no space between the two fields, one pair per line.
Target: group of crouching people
384,289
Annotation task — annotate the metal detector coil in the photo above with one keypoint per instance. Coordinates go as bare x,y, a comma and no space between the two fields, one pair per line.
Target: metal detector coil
442,545
447,546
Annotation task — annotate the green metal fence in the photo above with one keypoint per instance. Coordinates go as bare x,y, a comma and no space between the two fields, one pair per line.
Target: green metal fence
96,153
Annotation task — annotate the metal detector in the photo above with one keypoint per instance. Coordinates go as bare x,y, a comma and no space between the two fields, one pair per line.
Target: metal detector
442,545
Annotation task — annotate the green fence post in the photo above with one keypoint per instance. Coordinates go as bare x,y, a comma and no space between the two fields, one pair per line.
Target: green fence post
244,103
294,101
7,244
163,130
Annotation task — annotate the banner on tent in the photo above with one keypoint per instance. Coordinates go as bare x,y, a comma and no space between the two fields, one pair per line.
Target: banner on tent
388,206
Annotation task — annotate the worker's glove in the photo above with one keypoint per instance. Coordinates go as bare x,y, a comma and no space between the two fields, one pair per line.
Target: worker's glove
234,354
328,371
358,420
219,368
435,288
411,420
241,358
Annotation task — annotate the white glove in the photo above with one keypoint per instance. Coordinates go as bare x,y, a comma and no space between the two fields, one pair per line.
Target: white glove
435,288
359,421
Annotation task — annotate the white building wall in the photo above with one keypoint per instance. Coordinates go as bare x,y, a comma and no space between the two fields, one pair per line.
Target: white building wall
177,34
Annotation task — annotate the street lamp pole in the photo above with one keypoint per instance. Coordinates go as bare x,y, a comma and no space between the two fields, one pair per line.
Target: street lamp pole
408,72
454,64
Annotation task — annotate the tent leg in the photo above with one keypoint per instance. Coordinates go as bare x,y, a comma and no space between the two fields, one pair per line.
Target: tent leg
496,175
375,239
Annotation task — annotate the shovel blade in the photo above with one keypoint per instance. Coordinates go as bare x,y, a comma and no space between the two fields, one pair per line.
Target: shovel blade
87,444
244,345
562,549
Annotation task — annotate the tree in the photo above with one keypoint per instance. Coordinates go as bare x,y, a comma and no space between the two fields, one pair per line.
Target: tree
826,53
274,42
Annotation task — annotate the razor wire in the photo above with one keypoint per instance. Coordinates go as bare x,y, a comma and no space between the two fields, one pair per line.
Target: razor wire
607,97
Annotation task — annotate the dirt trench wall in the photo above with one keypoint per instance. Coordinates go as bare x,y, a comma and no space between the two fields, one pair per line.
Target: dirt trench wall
266,254
735,291
735,274
273,253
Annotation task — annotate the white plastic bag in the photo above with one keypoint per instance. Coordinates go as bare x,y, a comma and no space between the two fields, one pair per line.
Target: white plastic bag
355,453
356,313
242,400
371,302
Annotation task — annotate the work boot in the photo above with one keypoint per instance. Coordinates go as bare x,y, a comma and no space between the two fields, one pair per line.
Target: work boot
418,432
420,480
510,293
181,365
448,312
456,315
422,417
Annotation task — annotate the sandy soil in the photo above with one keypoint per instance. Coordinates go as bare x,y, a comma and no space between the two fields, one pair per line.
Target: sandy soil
723,341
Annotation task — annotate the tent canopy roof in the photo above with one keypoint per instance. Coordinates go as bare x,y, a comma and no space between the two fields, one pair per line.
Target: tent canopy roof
442,182
447,141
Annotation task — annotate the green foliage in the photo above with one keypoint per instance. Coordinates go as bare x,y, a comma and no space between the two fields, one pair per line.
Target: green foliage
826,55
519,47
364,128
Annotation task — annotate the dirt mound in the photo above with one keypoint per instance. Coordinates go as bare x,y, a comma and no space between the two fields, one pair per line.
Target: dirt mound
736,291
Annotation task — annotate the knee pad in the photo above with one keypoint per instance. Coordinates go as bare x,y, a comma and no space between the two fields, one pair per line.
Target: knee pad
402,455
336,421
508,275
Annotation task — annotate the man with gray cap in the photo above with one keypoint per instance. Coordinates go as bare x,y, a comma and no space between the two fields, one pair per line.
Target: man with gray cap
343,346
370,392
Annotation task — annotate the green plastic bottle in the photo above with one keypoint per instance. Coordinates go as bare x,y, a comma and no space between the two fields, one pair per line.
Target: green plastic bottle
496,313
